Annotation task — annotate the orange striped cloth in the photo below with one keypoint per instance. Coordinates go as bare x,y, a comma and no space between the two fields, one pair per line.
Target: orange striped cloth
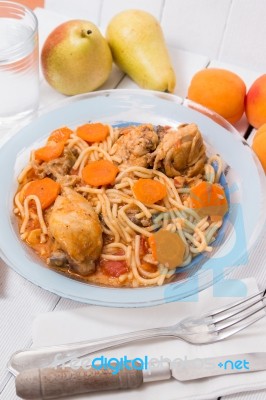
32,3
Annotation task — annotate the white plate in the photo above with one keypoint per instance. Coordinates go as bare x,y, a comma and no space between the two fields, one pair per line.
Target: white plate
244,175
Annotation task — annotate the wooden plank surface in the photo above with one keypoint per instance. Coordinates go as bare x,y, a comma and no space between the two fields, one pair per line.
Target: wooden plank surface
231,31
195,26
77,9
244,37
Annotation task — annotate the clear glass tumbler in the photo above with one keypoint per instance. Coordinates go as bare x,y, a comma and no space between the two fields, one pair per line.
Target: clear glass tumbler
19,62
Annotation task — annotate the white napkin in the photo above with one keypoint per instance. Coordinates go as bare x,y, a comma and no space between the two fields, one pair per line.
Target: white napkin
94,322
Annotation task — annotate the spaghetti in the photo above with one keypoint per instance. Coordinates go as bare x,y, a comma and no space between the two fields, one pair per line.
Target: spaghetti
127,223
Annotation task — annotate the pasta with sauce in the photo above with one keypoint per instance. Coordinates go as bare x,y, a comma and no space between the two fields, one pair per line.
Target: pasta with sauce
102,203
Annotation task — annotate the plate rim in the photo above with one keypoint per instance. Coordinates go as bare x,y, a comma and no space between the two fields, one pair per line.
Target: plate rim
61,106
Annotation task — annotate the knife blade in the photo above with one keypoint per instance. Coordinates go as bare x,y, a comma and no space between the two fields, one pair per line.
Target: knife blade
185,370
51,383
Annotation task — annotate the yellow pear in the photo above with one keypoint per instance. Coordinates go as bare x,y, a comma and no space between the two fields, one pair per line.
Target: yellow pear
76,58
139,49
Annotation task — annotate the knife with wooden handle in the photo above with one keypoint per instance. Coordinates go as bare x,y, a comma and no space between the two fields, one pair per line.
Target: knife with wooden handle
52,383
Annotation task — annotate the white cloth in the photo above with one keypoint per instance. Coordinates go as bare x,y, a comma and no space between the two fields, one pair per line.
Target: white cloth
94,322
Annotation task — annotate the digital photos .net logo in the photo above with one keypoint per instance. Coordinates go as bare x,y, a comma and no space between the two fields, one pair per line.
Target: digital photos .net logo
234,365
117,364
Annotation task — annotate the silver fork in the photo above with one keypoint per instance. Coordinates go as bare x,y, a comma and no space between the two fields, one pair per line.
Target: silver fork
217,325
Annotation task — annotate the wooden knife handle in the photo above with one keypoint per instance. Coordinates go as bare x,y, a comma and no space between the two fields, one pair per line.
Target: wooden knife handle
51,383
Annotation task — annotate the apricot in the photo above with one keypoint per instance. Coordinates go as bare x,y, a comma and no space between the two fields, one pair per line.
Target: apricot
259,145
219,90
256,102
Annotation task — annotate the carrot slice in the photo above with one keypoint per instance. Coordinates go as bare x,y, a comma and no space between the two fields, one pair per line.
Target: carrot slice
215,218
96,132
60,135
45,189
149,191
208,199
98,173
49,152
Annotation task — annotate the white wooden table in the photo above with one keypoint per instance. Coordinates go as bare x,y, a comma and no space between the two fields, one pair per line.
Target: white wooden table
200,33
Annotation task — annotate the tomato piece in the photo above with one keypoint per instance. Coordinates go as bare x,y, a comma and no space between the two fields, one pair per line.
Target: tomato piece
114,268
144,246
74,171
33,223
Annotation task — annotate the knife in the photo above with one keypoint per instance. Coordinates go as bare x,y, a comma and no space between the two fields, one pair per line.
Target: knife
51,383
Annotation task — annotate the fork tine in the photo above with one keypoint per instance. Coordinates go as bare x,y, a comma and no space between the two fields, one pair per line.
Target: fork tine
225,326
238,303
232,313
231,332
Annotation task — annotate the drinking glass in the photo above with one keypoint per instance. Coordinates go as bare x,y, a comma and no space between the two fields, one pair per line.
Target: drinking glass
19,63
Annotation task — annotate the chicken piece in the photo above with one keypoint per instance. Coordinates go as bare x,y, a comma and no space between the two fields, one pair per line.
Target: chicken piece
69,181
57,168
162,130
181,152
143,222
185,181
134,145
77,230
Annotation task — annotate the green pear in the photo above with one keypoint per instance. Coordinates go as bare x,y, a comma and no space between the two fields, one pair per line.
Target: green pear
139,49
76,58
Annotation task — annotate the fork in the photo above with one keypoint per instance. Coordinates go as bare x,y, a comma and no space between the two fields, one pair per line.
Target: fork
209,328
